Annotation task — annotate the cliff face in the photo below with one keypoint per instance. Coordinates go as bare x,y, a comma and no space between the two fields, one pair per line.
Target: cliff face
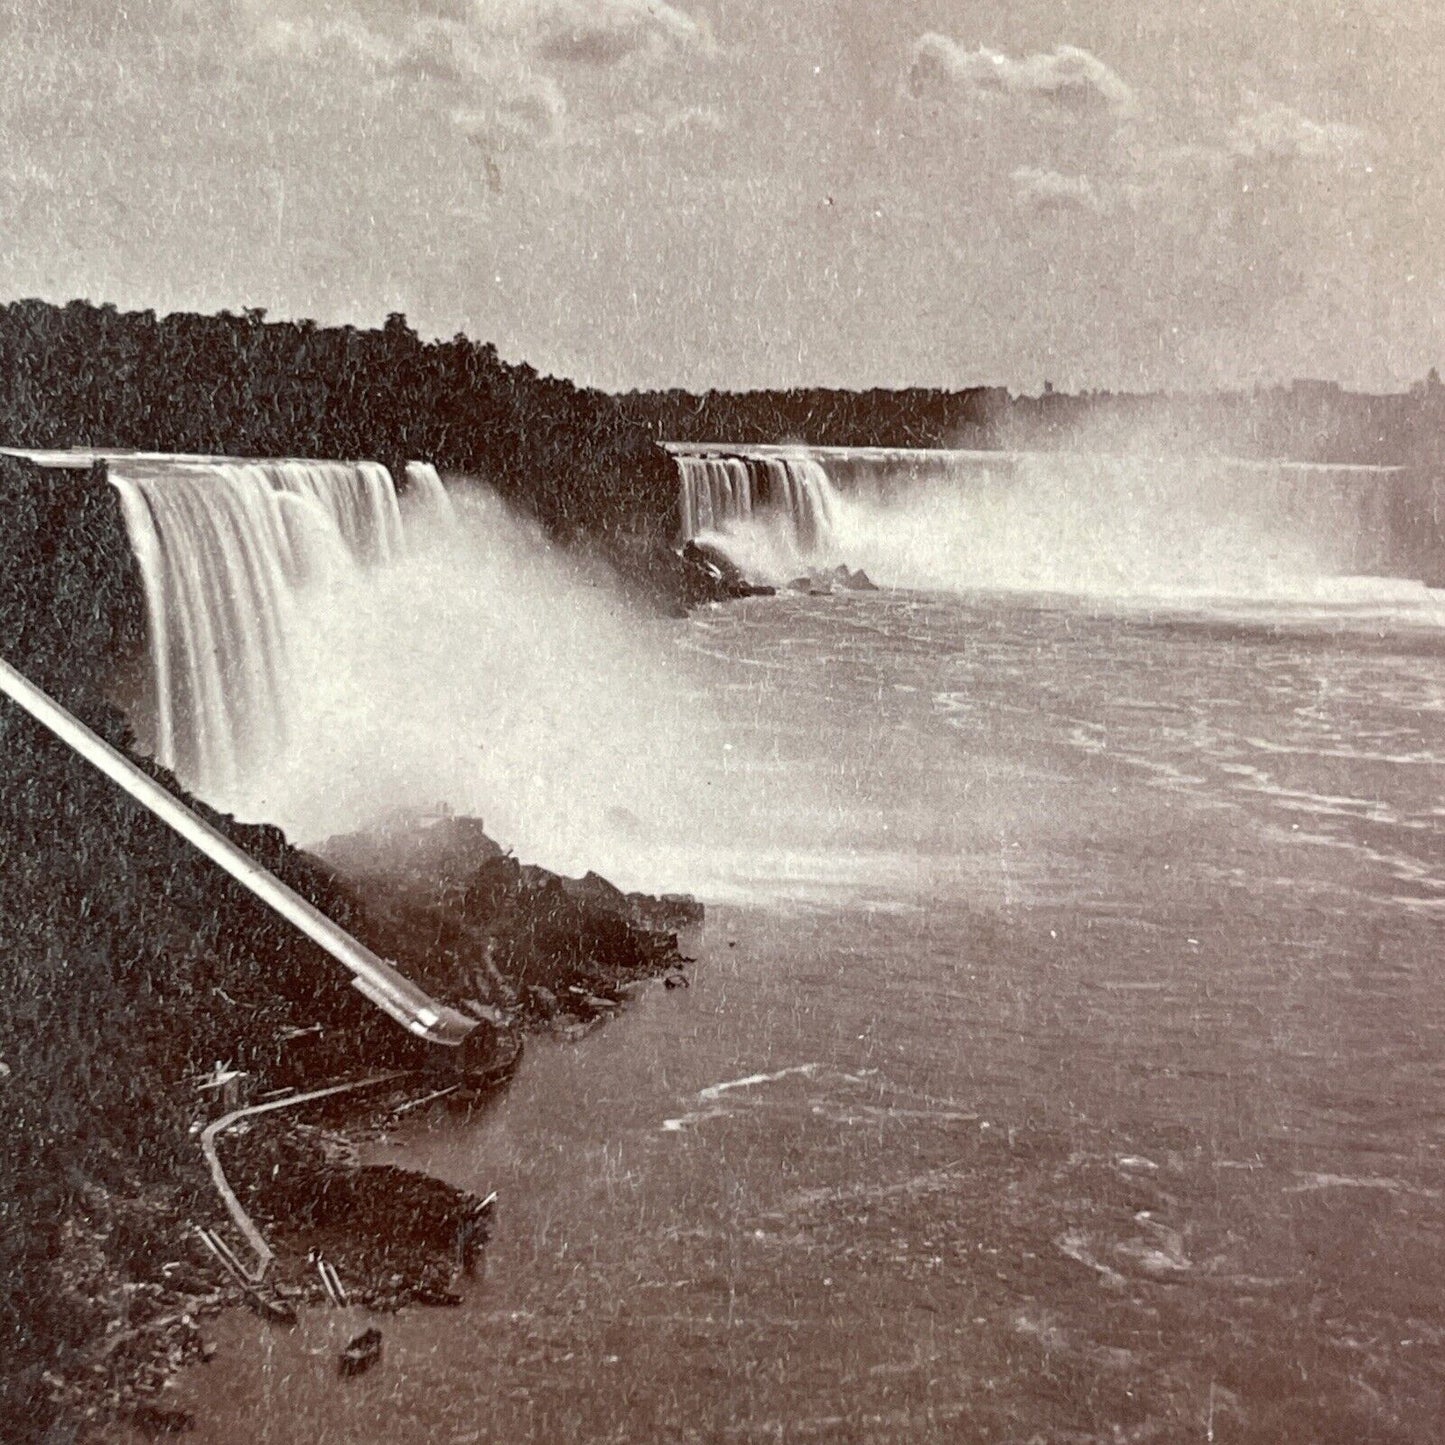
90,883
126,960
71,605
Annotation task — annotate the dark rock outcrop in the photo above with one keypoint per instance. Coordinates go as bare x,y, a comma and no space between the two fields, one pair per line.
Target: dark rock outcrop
469,919
728,579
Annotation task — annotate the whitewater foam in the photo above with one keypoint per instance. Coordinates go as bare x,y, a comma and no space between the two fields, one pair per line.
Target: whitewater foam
1133,530
227,553
325,653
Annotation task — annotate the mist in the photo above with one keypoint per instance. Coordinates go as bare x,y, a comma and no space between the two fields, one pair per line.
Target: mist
486,673
1129,526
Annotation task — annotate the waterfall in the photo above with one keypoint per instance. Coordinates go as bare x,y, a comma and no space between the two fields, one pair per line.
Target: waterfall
803,492
232,556
327,652
1135,525
789,494
426,487
715,492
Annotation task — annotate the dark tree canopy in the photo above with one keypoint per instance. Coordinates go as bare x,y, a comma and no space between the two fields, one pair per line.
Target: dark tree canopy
1305,421
85,375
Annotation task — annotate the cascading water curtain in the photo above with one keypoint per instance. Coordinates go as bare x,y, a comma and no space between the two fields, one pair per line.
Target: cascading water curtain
231,556
794,492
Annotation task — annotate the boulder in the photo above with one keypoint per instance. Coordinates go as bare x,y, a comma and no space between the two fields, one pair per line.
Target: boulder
722,572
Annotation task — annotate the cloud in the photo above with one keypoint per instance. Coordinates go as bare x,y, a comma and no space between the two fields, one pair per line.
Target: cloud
375,14
492,95
1063,81
694,118
533,112
460,10
1047,190
1274,131
1270,156
1218,177
345,39
605,32
442,54
494,70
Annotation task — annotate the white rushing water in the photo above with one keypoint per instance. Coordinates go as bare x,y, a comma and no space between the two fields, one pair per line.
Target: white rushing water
1085,524
1087,1034
426,486
1089,1052
227,550
781,510
324,653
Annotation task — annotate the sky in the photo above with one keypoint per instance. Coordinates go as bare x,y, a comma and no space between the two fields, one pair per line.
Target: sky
1098,193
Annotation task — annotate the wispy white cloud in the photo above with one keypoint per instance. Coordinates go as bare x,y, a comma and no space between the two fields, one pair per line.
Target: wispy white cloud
605,32
1238,157
587,33
445,54
694,118
1205,180
1048,190
1064,81
344,39
500,71
531,111
1216,157
1270,130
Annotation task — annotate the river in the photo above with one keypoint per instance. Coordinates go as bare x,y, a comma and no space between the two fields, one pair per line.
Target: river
1063,1061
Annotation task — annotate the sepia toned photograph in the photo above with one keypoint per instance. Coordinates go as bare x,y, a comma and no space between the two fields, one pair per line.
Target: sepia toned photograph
722,724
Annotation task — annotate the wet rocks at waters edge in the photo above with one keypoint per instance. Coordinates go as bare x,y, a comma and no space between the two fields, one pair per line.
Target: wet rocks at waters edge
855,581
515,944
361,1353
526,945
704,573
822,583
393,1237
725,576
669,581
137,966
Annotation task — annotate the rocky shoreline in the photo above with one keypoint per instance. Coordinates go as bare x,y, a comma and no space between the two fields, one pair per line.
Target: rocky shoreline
138,1284
131,968
114,1284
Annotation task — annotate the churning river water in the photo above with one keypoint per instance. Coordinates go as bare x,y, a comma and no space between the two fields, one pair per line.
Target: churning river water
1064,1061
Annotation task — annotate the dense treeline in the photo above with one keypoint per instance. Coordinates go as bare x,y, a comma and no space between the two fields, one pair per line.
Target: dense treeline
85,375
819,416
1307,421
583,462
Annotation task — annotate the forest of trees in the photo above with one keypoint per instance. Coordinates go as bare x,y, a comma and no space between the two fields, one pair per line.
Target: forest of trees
86,375
909,417
1306,421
